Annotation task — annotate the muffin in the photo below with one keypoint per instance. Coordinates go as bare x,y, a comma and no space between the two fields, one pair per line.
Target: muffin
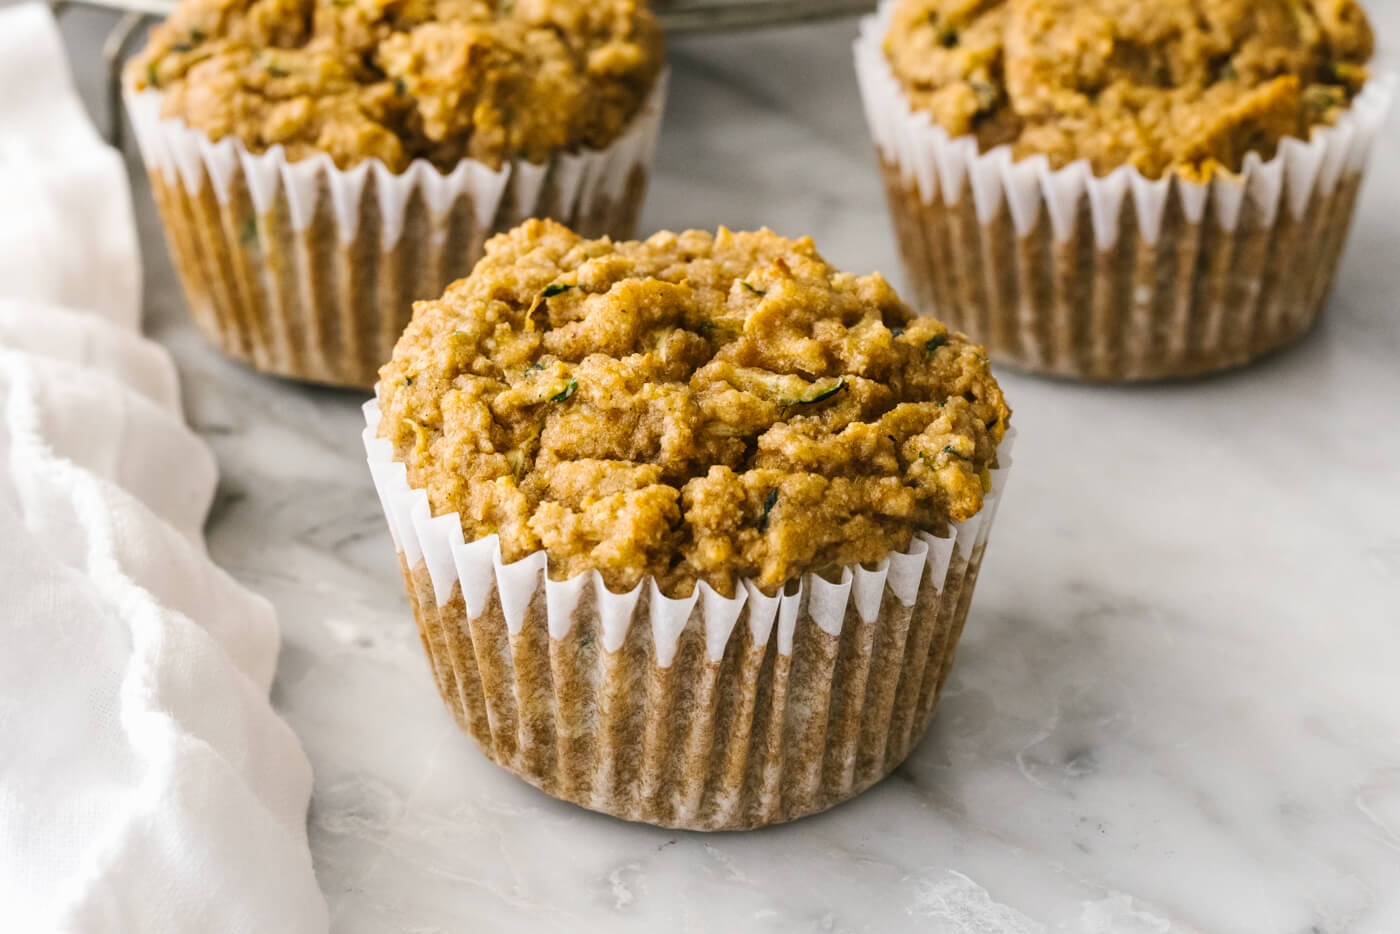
321,164
690,526
1114,191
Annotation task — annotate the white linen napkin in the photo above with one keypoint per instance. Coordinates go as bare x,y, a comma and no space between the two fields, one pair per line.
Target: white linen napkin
146,784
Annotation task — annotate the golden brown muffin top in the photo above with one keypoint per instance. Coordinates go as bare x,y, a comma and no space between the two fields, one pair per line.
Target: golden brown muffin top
400,79
694,407
1184,85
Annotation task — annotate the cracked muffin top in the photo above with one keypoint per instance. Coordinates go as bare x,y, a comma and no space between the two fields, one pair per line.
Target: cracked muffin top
696,406
396,80
1190,86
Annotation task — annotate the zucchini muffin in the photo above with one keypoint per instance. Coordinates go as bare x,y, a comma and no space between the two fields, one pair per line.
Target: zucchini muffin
1116,191
320,164
690,525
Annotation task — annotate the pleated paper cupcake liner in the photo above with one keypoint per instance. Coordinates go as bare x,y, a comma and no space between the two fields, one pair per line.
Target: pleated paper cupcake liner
702,713
1121,277
308,271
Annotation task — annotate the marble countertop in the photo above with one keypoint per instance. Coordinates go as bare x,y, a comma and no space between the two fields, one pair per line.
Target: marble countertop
1176,707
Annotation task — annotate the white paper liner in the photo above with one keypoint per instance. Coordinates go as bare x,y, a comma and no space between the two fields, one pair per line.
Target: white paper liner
308,271
929,157
438,544
178,150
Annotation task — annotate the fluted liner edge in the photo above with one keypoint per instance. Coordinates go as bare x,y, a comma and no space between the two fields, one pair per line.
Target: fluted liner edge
703,713
308,271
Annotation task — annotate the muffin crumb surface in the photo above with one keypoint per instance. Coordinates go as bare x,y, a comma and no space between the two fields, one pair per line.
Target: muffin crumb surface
696,406
441,80
1185,85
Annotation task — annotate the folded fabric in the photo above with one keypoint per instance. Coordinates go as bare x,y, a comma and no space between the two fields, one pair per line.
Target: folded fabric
146,784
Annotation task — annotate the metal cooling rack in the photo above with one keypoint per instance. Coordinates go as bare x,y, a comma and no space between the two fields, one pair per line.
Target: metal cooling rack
676,16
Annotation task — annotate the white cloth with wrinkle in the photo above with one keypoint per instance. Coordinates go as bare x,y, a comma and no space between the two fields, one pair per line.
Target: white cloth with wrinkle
146,784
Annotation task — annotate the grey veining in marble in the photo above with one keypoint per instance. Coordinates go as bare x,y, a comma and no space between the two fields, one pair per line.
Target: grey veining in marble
1176,707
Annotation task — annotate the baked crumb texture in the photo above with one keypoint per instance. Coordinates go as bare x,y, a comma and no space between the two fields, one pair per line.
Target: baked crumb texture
695,407
1185,86
398,80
